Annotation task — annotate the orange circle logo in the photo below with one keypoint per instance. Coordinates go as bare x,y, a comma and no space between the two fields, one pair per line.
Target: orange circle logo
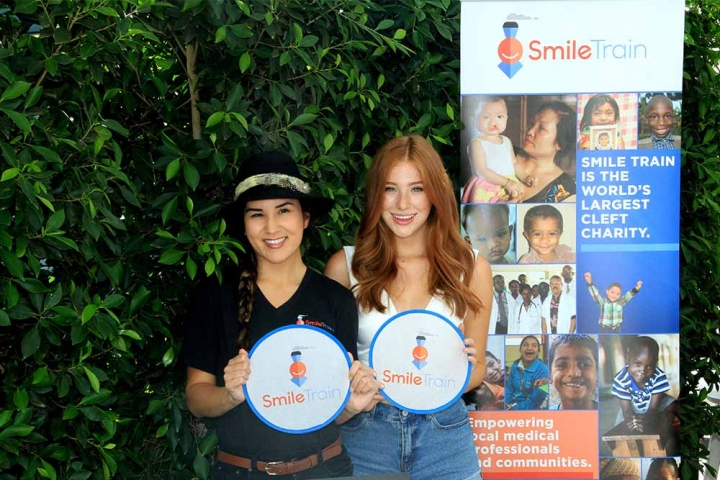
420,353
510,50
298,369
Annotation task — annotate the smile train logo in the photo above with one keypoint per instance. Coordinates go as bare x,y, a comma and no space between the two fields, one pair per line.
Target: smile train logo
420,353
510,50
297,369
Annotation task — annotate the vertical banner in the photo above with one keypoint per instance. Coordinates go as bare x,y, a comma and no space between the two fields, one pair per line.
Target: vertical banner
570,189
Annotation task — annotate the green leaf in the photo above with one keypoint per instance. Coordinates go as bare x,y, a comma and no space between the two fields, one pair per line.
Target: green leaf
92,378
241,31
245,61
190,4
399,34
116,127
88,312
20,399
303,118
16,431
214,119
172,169
450,112
285,58
220,34
40,376
308,41
385,24
18,119
5,417
162,431
209,266
30,342
107,11
171,257
169,210
9,174
33,96
191,267
25,6
4,319
55,221
328,142
15,90
192,177
201,466
131,333
168,357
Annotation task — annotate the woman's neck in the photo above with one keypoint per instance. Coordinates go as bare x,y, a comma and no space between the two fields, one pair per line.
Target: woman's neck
526,364
290,272
411,247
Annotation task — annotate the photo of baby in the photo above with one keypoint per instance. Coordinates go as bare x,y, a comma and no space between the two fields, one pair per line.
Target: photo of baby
518,149
638,395
603,137
490,229
660,120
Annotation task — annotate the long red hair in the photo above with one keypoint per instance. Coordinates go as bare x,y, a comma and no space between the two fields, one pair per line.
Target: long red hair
450,257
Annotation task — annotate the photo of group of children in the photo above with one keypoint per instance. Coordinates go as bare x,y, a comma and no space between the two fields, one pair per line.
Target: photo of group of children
632,380
560,339
511,233
523,148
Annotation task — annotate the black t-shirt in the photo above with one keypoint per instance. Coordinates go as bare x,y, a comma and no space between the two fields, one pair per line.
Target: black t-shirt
210,335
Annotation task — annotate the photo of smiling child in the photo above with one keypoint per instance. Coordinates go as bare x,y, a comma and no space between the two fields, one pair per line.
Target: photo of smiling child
492,158
611,306
573,361
490,228
526,387
543,228
601,111
640,385
490,394
658,121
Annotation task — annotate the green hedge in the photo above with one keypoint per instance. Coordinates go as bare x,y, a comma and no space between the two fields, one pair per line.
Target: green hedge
110,192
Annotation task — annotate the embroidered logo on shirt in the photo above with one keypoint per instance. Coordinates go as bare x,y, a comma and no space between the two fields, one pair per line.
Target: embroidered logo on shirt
303,320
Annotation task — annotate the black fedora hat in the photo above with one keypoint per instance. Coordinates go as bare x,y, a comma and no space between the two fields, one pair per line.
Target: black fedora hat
274,174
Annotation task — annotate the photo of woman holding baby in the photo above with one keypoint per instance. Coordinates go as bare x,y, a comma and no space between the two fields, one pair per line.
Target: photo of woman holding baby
540,165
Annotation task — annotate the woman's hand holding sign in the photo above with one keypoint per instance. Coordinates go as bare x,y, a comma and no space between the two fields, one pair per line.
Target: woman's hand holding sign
236,374
363,390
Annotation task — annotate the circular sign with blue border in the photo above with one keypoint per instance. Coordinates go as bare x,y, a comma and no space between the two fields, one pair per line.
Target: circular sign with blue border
418,355
299,381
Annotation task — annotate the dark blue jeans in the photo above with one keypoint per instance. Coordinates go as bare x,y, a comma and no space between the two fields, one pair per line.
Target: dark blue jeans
340,466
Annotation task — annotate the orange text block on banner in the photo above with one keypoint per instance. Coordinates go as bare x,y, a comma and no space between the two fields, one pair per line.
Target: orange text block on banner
537,444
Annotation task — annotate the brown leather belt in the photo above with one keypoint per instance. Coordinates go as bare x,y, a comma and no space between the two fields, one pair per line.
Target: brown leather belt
283,468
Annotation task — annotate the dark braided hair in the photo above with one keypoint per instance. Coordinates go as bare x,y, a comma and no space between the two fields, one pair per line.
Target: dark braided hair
246,293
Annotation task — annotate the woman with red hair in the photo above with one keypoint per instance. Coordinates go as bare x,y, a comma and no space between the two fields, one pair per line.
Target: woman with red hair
409,255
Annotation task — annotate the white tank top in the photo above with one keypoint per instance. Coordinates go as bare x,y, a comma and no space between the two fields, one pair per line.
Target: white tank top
371,321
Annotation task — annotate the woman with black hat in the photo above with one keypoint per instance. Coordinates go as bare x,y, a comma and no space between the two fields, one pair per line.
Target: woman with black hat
273,288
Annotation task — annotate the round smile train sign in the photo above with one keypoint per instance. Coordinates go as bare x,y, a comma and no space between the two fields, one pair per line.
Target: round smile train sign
299,381
418,355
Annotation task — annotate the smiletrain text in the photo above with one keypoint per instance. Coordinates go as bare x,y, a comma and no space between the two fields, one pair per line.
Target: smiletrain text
421,380
306,396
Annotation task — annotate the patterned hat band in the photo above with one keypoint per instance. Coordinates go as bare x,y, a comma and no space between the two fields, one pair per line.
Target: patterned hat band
272,179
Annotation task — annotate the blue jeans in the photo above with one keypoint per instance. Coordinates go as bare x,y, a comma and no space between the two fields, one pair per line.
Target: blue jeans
389,440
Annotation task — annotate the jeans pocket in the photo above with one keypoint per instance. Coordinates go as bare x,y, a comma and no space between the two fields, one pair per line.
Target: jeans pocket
452,417
356,423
